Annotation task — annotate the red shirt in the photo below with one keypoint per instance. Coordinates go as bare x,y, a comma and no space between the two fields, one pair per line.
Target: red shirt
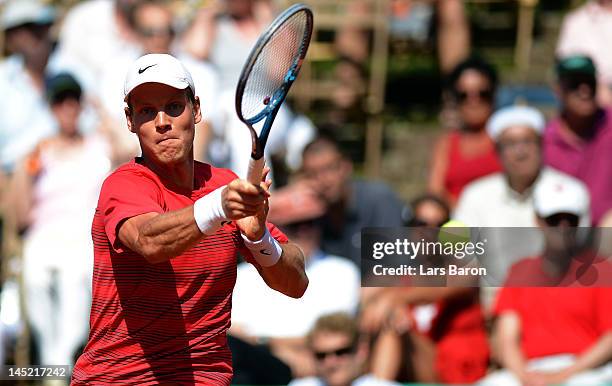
462,348
166,322
463,170
557,320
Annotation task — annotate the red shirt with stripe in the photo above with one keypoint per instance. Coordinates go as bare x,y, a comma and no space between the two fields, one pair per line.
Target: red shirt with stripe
166,322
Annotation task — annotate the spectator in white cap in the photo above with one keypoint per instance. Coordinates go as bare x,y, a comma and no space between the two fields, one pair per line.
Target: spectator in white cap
546,335
166,233
505,199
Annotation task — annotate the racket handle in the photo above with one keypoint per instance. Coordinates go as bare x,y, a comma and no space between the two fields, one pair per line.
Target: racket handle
255,169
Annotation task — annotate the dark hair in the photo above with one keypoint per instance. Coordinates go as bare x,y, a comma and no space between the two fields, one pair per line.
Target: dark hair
326,139
426,197
472,63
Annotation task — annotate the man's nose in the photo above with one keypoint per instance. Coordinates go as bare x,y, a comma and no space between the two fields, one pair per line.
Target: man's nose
162,121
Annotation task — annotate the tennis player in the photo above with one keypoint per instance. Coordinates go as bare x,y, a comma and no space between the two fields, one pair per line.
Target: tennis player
166,232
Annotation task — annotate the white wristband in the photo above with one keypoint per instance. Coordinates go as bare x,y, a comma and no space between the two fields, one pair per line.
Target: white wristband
208,212
267,251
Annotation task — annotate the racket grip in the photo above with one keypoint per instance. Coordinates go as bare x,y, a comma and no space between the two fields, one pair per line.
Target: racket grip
255,169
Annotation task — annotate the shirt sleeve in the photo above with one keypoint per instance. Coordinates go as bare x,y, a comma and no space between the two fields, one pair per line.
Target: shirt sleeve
126,195
507,300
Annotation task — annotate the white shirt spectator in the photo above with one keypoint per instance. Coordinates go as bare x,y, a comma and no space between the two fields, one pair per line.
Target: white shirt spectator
26,117
230,145
588,31
91,39
259,311
490,202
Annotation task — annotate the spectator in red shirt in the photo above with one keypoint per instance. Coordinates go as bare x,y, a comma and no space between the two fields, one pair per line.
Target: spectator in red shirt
166,232
548,335
466,153
427,334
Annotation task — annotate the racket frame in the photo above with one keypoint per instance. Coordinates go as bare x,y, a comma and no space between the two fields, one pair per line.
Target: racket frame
269,112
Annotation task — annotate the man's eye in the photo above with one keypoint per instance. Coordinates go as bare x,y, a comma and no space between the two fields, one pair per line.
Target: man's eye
175,108
147,111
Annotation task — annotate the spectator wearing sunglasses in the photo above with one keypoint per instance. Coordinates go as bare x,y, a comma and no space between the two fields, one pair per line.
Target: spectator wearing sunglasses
550,336
505,199
579,140
427,334
429,210
340,354
466,152
264,317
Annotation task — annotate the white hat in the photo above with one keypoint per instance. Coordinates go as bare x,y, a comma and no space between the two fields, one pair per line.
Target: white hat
560,194
157,68
19,12
515,116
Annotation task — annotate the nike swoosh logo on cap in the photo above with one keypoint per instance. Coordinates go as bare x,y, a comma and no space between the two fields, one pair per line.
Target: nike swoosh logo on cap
141,70
264,252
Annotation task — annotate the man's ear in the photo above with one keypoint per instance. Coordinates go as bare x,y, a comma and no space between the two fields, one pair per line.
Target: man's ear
128,118
197,110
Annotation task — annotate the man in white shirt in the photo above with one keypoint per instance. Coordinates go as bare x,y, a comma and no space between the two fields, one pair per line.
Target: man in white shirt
505,199
263,315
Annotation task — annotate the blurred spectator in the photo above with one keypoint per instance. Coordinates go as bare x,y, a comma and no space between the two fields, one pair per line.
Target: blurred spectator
412,19
340,354
551,336
579,140
429,210
467,152
94,34
427,334
54,194
25,114
588,31
260,313
154,29
505,199
224,33
351,204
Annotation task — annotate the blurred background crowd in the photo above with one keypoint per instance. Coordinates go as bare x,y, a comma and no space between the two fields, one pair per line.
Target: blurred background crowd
407,113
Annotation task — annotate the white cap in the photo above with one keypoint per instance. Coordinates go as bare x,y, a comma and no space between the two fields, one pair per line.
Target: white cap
157,68
19,12
560,194
515,116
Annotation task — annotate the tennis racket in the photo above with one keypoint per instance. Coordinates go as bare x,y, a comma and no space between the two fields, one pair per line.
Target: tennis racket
267,76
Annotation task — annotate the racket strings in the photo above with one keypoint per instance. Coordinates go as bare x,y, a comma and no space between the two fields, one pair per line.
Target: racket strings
281,52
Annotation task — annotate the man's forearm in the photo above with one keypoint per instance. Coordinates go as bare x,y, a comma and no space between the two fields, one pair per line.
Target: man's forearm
159,237
599,353
287,275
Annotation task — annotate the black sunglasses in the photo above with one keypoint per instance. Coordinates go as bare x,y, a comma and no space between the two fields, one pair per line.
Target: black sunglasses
155,32
321,355
573,83
556,219
483,94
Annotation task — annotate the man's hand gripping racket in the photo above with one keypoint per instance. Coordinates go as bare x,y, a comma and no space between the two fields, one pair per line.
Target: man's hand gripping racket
267,75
